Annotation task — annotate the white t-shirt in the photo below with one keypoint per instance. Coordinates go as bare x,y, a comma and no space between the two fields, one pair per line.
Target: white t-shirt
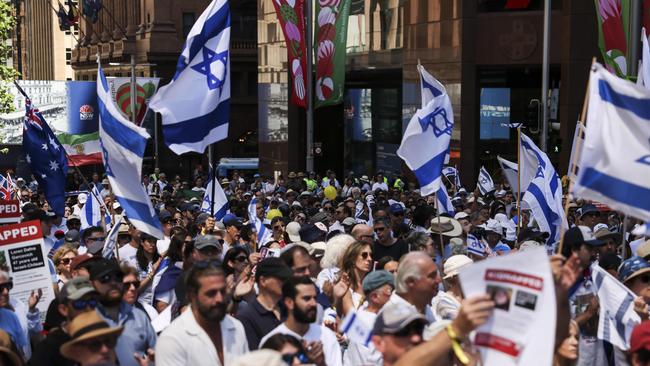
357,353
331,348
383,186
127,255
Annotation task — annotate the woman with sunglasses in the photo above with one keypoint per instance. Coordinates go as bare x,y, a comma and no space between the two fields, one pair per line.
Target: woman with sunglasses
234,263
279,234
148,260
131,285
62,259
355,264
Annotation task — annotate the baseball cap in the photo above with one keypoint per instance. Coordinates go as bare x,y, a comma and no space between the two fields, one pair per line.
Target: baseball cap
82,198
116,205
273,267
321,216
581,234
377,279
454,264
103,267
461,215
640,338
349,221
310,233
633,267
81,260
587,209
293,230
232,220
494,226
396,209
202,218
205,241
72,236
76,288
395,318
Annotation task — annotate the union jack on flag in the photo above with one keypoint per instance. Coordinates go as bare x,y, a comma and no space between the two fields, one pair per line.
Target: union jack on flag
6,193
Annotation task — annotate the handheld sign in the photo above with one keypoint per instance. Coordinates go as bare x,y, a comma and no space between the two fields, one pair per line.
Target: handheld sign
23,255
9,211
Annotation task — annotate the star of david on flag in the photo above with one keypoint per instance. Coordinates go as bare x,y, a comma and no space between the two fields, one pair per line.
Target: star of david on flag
424,149
195,105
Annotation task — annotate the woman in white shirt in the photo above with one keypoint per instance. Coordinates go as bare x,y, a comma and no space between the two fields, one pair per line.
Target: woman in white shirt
355,264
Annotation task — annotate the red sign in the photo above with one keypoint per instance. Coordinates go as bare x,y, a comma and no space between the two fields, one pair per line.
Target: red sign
9,212
24,231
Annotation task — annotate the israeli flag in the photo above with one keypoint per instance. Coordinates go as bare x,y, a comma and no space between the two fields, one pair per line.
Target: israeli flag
91,214
544,192
444,202
263,234
123,144
425,144
195,106
578,143
644,69
617,316
111,239
510,172
485,182
615,159
221,205
449,172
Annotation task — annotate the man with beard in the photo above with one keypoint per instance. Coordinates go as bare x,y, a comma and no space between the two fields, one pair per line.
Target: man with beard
300,302
203,334
138,336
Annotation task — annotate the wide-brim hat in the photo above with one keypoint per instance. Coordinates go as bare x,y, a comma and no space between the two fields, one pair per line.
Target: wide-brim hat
445,226
5,347
85,326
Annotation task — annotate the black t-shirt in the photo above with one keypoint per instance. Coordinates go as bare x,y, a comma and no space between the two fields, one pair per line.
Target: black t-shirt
257,322
395,251
48,351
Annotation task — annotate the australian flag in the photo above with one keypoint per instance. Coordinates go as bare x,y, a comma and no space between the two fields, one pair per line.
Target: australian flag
45,156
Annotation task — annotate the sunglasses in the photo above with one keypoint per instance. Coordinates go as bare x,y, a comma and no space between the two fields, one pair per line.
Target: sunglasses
380,229
6,286
96,345
366,255
241,259
101,238
111,277
135,284
84,304
289,357
188,242
206,264
65,261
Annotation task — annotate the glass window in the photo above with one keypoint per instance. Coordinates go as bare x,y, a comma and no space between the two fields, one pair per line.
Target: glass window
495,113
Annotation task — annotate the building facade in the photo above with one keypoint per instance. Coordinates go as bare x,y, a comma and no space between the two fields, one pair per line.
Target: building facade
487,53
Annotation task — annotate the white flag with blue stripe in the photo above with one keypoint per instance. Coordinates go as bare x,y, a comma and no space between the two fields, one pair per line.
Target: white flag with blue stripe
452,173
544,192
615,160
510,171
444,202
617,316
195,105
221,205
425,144
111,239
485,182
123,144
263,234
91,212
644,67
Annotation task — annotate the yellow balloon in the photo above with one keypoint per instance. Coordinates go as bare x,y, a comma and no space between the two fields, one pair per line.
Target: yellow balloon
330,193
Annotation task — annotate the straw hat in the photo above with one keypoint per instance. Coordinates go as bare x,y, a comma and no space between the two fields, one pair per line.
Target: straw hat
85,326
5,347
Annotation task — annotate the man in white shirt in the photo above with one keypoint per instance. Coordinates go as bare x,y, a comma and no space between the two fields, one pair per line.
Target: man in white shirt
300,301
379,183
204,334
127,251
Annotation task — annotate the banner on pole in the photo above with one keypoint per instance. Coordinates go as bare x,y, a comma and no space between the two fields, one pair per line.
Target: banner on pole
292,19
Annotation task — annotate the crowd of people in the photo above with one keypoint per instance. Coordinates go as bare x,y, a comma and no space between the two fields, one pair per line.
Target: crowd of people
218,292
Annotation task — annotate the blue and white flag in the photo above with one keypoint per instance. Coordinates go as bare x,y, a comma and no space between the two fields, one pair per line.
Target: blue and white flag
477,247
615,160
425,144
356,329
576,148
617,316
510,172
544,192
111,239
45,156
263,233
123,144
451,173
195,105
644,67
221,205
485,182
444,202
91,214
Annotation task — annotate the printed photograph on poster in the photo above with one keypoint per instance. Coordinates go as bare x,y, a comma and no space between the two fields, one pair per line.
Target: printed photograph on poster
501,296
525,300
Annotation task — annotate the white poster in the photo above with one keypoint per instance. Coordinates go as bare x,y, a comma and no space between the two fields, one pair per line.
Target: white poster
521,330
23,256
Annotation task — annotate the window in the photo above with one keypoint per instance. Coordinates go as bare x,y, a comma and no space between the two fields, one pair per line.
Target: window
495,113
188,22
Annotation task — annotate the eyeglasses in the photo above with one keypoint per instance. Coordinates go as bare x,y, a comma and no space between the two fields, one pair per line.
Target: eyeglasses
101,238
65,261
6,286
84,304
206,264
111,277
379,229
241,259
366,255
289,357
135,284
96,345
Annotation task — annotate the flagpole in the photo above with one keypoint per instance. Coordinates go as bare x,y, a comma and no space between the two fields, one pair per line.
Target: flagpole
309,162
518,180
574,163
214,177
134,91
624,249
442,243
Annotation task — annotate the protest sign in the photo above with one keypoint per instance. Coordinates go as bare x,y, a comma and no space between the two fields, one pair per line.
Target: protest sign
9,211
521,331
22,253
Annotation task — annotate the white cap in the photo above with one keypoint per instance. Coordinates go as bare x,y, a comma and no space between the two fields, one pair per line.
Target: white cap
116,205
502,218
293,230
494,226
454,264
600,226
82,198
461,215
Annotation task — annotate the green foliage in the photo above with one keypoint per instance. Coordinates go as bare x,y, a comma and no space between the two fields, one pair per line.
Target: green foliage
7,73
